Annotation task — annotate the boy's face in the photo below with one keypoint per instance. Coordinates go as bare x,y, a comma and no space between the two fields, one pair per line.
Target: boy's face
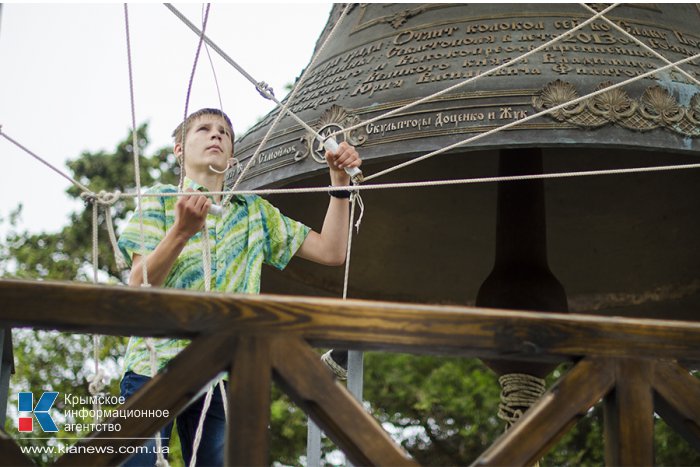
207,142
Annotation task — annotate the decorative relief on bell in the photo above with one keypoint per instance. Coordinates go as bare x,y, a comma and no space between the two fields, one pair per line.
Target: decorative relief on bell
333,120
656,108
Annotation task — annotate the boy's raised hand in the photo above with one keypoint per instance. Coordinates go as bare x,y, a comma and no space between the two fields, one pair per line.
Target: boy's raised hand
346,157
191,214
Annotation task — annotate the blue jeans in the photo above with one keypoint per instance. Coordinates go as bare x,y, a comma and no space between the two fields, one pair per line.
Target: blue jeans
211,447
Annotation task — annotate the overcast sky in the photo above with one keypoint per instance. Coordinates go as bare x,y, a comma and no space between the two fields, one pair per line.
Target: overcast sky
64,85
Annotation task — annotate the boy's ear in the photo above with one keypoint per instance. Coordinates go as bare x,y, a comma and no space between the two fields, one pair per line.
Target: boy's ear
177,150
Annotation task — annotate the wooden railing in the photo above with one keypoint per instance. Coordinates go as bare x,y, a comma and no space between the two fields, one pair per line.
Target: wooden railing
629,363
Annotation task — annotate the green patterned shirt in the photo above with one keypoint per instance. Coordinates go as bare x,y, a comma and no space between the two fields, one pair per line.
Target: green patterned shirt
249,233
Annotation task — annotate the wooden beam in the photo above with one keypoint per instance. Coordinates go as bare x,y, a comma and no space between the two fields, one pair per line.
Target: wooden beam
677,400
170,390
629,415
355,324
10,453
545,422
247,440
299,371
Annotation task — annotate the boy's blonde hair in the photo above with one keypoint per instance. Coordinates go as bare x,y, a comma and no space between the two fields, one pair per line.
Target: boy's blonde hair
178,132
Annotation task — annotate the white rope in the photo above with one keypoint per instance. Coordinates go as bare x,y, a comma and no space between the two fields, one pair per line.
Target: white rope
530,117
481,75
96,383
399,185
263,88
187,98
466,181
106,200
222,388
206,248
290,99
200,426
135,146
206,258
211,64
161,461
46,163
346,279
436,183
643,45
160,458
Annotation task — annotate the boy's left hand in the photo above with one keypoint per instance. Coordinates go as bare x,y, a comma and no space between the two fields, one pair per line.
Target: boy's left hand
346,157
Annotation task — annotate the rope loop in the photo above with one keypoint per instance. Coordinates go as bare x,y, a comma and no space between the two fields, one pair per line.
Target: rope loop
97,383
104,198
107,199
265,90
356,198
519,392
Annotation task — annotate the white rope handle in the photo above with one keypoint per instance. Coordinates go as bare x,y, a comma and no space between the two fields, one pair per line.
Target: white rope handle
290,99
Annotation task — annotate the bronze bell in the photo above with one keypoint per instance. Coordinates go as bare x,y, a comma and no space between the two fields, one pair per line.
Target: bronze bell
626,244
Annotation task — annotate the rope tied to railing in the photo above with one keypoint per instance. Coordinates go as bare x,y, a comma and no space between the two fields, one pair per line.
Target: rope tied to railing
107,199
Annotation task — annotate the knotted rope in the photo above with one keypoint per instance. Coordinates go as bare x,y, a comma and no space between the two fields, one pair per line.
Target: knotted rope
519,392
106,200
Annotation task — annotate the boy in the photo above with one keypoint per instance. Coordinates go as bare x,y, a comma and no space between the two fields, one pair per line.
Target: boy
249,232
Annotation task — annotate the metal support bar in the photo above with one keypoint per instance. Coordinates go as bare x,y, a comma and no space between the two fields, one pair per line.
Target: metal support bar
355,377
6,369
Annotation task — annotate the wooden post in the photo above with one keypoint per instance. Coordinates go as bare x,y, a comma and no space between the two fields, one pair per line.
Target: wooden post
677,400
10,454
299,371
247,437
170,390
629,415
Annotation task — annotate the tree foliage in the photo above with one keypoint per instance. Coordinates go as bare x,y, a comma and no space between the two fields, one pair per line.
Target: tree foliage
54,361
442,410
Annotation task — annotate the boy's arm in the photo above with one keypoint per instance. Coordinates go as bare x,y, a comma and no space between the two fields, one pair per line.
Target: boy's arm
190,216
329,247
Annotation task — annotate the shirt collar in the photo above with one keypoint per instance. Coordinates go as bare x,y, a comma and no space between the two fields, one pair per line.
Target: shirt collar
189,183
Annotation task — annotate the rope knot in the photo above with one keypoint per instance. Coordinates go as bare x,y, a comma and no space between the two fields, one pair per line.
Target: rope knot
97,383
355,197
105,198
265,90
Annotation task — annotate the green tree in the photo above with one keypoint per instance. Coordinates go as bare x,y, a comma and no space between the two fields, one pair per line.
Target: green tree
48,360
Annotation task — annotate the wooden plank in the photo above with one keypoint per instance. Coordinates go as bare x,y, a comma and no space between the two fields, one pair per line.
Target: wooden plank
10,453
541,426
247,441
299,371
629,415
355,324
677,400
170,390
